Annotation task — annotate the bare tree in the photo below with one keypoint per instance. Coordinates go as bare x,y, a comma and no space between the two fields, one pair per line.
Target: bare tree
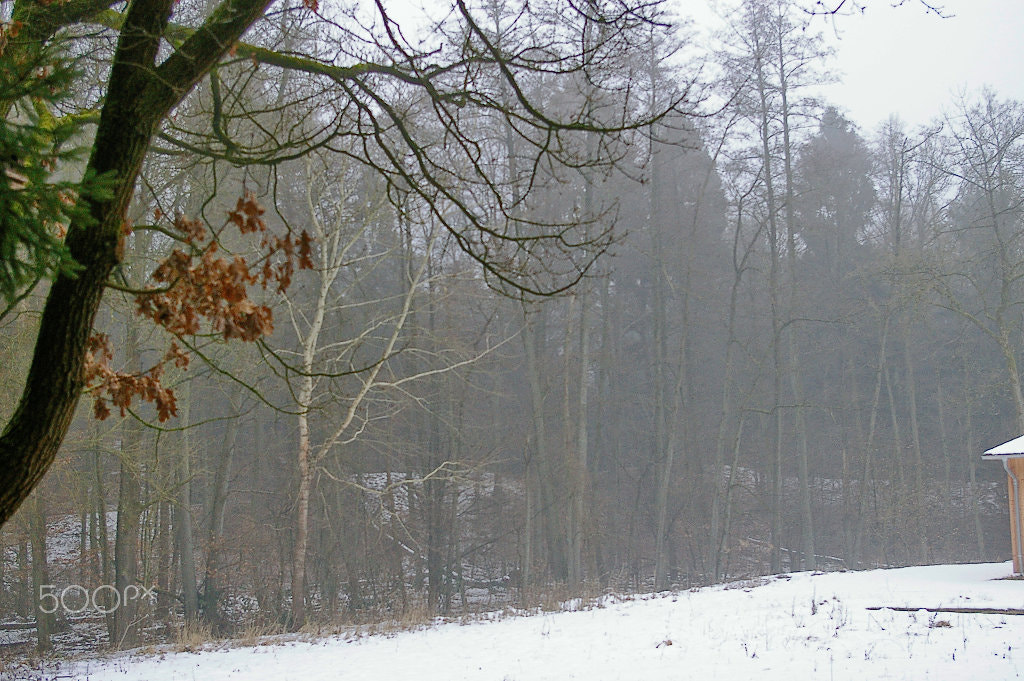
144,85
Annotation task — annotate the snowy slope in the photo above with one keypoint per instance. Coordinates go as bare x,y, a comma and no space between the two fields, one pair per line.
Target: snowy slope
784,628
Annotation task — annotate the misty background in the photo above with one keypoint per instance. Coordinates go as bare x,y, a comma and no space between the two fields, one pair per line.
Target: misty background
795,339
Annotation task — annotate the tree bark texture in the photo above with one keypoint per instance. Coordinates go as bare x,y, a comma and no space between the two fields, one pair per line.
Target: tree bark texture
139,96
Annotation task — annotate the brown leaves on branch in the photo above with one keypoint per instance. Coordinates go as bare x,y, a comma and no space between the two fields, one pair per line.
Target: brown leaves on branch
247,216
119,389
210,288
200,290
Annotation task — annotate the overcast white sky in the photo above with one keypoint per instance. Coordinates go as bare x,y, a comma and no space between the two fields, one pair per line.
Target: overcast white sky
906,61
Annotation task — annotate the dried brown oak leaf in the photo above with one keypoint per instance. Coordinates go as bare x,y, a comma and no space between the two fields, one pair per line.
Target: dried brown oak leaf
197,285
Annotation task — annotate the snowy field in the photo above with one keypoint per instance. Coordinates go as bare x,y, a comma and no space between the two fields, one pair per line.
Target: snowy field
783,628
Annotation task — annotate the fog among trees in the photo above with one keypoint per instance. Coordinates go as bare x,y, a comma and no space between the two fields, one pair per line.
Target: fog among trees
521,303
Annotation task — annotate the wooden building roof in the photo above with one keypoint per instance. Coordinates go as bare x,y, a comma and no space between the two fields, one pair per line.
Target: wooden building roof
1008,450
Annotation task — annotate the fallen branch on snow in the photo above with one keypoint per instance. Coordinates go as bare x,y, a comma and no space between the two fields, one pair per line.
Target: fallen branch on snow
962,611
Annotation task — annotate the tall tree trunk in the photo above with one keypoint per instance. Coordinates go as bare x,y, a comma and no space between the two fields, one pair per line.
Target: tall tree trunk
803,454
580,467
301,536
165,559
664,450
919,504
722,563
124,632
897,488
867,483
972,462
183,514
669,373
547,473
83,541
721,498
213,579
529,511
775,560
435,488
24,592
46,616
794,369
436,511
104,566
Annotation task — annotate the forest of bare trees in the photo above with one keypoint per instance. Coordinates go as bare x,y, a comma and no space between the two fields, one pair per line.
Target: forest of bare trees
547,308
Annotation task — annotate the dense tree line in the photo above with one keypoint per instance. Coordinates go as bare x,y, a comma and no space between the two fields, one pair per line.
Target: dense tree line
549,329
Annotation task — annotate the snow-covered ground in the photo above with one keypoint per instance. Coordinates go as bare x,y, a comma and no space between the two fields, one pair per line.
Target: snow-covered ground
798,626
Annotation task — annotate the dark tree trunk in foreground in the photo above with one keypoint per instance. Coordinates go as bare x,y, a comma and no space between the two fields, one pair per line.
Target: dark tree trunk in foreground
139,96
